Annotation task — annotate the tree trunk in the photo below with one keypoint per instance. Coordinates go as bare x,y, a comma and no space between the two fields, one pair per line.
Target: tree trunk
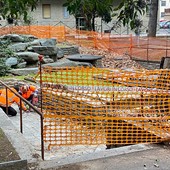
93,23
153,15
88,23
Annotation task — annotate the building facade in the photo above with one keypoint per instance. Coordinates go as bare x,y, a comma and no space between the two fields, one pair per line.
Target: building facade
163,6
52,12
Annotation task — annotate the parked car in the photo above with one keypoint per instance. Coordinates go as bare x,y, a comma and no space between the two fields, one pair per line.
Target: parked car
162,22
165,25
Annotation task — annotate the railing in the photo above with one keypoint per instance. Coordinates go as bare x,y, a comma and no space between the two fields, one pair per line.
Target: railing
32,107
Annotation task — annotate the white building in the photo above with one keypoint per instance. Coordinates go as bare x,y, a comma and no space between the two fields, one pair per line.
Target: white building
52,12
163,5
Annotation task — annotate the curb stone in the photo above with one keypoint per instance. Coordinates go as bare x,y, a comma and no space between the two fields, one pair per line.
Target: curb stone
23,148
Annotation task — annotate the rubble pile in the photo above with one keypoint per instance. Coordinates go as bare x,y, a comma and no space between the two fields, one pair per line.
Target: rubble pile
111,59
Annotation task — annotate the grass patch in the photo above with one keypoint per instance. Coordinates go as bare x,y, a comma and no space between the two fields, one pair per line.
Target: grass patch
22,77
75,77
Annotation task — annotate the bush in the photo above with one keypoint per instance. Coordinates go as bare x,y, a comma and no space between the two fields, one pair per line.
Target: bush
3,67
5,53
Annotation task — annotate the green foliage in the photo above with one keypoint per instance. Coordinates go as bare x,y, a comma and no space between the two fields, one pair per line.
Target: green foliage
4,50
5,53
90,9
129,12
14,9
3,67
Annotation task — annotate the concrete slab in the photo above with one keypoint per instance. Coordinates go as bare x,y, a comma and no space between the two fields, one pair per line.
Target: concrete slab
156,158
20,143
73,160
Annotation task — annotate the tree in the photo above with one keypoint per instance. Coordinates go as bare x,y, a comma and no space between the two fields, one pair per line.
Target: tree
153,14
13,9
89,10
129,12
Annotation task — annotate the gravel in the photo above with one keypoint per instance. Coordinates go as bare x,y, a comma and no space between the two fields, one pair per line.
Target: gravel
111,59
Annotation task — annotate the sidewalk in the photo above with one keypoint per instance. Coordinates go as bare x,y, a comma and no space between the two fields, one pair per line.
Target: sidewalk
156,158
80,157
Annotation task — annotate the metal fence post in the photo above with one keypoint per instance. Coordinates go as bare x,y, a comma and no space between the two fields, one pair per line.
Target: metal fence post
42,130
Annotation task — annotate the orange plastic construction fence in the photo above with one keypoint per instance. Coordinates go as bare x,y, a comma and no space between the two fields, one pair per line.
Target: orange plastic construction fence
92,106
140,47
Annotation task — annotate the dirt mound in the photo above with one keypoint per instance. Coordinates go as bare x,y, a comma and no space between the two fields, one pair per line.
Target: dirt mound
112,60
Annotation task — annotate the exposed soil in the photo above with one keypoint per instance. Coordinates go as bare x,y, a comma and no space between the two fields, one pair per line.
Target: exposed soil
116,60
111,59
7,151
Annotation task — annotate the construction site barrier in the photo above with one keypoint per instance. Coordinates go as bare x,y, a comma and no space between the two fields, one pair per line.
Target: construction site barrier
92,106
137,47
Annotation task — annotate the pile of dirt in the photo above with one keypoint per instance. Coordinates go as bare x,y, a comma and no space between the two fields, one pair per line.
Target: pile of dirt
111,59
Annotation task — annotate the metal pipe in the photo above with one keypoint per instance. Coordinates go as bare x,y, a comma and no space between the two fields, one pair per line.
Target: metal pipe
42,138
40,71
6,100
21,124
42,128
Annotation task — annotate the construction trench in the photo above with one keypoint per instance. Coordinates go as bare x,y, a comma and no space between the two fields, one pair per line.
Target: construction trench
93,106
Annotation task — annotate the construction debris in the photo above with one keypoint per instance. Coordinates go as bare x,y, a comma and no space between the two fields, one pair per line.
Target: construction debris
111,59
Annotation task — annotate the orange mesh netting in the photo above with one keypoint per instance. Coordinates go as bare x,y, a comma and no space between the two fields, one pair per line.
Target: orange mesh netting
143,48
105,106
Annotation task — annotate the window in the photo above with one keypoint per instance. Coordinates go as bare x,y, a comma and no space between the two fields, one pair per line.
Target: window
162,14
167,10
80,23
163,3
46,9
65,12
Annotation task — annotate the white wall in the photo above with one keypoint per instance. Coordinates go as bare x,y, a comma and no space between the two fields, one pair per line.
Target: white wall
162,8
57,18
57,14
